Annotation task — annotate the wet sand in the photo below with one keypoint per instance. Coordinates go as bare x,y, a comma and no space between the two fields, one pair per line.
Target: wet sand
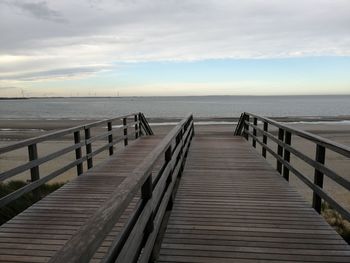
15,130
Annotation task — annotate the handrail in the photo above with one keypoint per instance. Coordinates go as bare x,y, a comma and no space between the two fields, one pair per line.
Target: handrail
77,132
145,124
239,127
143,225
284,150
334,146
59,133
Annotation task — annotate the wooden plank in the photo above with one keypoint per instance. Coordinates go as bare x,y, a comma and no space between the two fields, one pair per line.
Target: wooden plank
81,246
318,190
231,206
40,231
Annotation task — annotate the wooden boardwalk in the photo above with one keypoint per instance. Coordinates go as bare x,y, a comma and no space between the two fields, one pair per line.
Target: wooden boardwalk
39,232
232,206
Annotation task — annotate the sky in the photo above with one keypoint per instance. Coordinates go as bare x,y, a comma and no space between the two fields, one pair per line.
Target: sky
172,47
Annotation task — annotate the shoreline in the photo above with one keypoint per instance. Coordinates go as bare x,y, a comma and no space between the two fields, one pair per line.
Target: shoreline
5,122
12,130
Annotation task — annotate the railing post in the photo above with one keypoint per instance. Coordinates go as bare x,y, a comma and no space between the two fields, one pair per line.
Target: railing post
263,149
246,127
136,127
288,141
88,148
280,149
34,171
168,154
146,195
179,143
191,119
318,177
178,137
255,122
110,137
140,125
125,132
78,153
236,130
167,158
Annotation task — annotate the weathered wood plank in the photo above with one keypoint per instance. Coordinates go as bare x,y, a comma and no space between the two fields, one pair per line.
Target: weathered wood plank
231,206
40,231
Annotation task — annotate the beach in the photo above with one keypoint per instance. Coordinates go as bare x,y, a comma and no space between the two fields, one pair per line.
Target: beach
338,130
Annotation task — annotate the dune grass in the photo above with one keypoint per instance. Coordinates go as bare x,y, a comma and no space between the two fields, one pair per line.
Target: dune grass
333,218
14,208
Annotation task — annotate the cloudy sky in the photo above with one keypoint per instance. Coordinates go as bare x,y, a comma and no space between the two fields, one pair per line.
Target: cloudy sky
172,47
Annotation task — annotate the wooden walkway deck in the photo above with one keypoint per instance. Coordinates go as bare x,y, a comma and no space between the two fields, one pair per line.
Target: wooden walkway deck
39,232
232,206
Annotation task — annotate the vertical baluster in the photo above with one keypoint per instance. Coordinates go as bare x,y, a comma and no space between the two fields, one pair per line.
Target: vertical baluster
239,123
168,154
246,126
78,152
136,127
179,137
146,195
263,150
192,127
288,141
255,122
88,148
110,137
34,171
167,159
140,125
280,149
125,132
318,177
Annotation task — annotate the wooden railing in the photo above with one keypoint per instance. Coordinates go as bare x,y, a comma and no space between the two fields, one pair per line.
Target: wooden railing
285,149
137,121
136,240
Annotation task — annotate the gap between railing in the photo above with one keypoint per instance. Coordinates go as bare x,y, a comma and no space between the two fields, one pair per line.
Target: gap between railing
141,230
138,122
285,149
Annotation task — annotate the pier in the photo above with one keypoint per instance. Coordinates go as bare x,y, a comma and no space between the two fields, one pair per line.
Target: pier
183,197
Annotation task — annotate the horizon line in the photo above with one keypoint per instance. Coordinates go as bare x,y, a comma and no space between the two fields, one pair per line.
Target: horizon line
145,96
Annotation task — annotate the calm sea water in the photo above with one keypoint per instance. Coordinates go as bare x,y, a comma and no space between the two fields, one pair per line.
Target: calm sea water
207,106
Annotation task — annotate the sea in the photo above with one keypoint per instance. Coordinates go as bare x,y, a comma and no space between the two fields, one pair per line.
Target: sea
167,107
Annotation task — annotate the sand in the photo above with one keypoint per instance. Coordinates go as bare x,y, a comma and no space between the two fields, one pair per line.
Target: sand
15,130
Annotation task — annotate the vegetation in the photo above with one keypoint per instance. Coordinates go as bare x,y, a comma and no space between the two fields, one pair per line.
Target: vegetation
14,208
333,218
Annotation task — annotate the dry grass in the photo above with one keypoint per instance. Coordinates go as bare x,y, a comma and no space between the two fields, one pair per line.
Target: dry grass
333,218
14,208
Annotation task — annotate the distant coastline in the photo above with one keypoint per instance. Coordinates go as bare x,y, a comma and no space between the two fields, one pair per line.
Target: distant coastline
14,98
175,107
171,96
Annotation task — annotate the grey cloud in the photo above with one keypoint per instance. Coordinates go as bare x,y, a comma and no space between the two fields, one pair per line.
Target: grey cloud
39,10
54,73
105,31
8,87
